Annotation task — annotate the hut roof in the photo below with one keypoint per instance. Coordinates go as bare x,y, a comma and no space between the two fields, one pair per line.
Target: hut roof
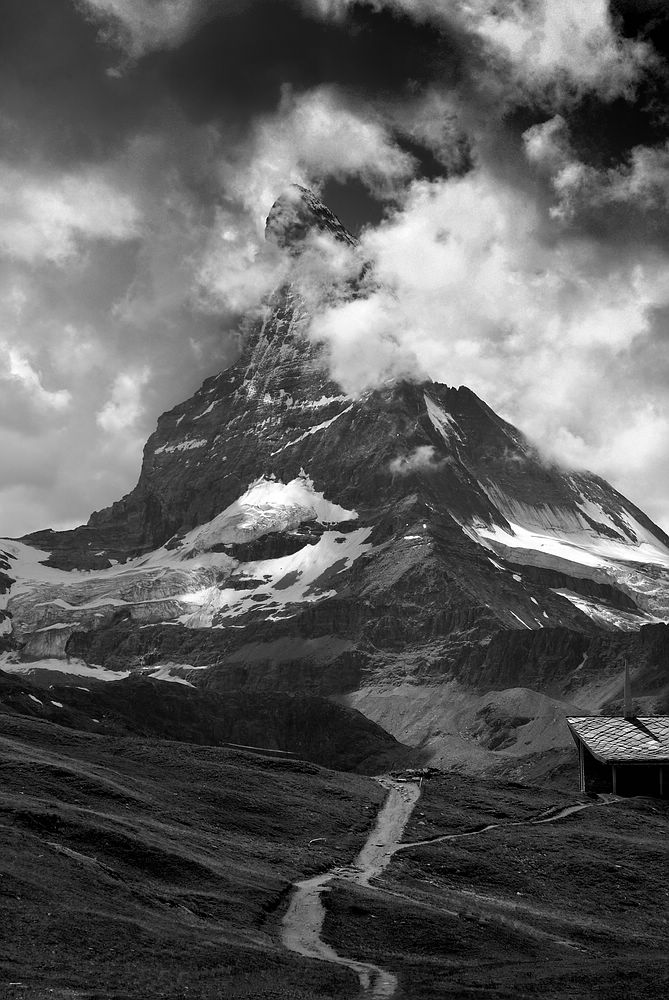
624,741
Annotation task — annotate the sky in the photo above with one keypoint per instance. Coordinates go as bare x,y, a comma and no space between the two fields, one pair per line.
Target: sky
504,163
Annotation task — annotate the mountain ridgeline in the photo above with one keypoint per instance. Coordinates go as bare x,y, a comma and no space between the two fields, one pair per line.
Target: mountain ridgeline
404,551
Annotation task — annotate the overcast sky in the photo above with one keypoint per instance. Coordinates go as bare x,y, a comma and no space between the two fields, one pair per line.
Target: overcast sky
505,163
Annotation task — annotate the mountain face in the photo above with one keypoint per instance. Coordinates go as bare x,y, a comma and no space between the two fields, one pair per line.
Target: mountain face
405,550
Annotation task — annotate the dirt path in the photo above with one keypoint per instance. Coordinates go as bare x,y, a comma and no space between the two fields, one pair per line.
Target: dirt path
302,924
537,821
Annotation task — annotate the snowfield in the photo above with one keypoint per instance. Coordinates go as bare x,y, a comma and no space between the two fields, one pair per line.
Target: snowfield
617,550
187,583
585,549
302,577
267,505
74,667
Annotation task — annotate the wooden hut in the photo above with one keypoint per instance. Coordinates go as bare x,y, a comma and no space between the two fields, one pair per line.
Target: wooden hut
628,756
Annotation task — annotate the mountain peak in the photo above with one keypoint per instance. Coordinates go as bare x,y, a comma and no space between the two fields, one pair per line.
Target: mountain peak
296,213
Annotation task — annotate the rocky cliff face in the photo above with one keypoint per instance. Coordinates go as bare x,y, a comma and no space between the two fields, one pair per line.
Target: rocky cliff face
285,535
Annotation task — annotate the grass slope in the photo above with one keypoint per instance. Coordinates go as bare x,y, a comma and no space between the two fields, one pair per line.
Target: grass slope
578,908
136,868
310,727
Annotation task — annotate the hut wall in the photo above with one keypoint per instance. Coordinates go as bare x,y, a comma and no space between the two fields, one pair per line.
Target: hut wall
598,777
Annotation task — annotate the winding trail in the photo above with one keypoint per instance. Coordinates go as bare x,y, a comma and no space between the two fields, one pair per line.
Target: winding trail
537,821
302,924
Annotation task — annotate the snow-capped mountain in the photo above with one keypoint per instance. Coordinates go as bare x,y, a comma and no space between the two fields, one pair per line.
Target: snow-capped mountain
286,535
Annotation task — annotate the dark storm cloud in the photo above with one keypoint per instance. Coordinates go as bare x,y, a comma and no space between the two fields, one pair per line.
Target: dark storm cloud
68,97
605,131
234,65
58,102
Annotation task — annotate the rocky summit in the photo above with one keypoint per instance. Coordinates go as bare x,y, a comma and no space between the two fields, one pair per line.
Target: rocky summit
404,551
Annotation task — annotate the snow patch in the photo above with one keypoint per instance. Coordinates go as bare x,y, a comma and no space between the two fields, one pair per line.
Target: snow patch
584,549
158,587
164,673
626,621
318,404
441,421
518,619
75,667
303,577
181,446
267,505
208,410
312,430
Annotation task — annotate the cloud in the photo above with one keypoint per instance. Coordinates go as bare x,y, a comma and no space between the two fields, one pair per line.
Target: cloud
421,459
313,136
562,47
245,49
475,284
124,406
557,49
140,25
138,170
21,374
98,282
48,217
364,345
639,184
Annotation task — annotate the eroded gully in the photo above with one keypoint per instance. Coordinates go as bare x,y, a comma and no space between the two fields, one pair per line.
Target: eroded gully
302,923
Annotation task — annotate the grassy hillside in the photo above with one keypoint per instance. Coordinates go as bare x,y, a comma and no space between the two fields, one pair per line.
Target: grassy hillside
577,908
308,726
154,869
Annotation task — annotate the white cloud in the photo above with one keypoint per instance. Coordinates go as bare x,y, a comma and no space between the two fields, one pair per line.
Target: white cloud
238,269
476,286
547,144
421,459
313,136
124,406
21,373
364,345
115,307
640,182
47,218
560,45
139,26
557,48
